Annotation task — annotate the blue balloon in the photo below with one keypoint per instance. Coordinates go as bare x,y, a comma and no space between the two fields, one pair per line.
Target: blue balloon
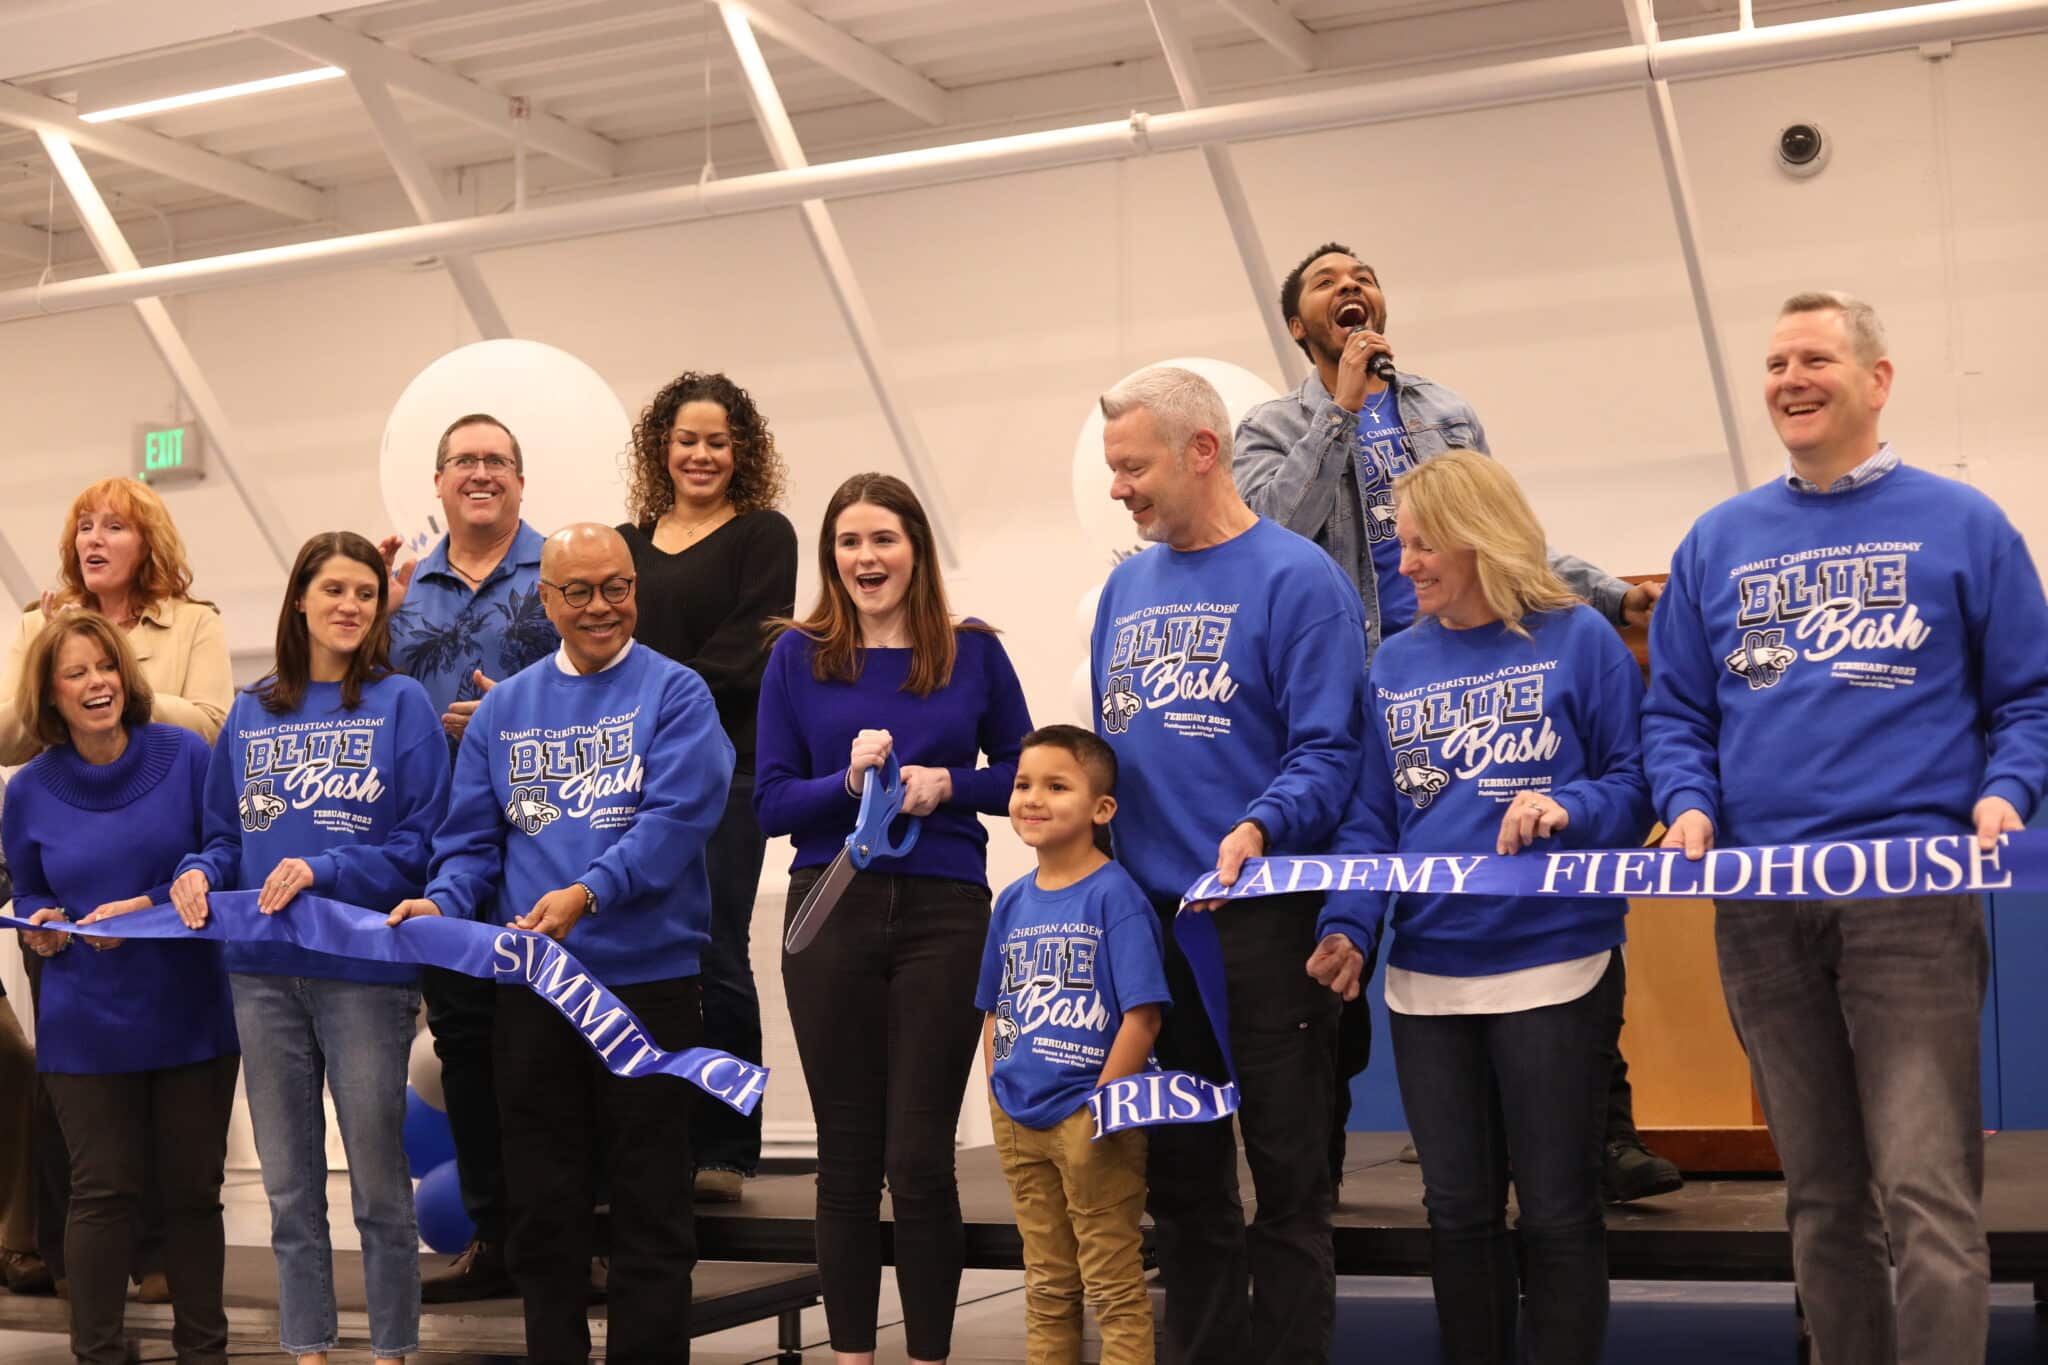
429,1141
444,1223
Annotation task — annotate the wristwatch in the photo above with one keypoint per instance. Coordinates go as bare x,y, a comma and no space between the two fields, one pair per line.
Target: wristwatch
1265,835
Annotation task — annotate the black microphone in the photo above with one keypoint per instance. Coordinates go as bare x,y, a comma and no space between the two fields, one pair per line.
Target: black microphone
1352,315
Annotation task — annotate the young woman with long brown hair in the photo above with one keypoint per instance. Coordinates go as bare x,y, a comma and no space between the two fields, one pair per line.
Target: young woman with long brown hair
883,1000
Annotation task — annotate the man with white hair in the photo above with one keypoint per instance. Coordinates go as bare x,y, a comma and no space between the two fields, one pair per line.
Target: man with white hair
1856,650
1229,668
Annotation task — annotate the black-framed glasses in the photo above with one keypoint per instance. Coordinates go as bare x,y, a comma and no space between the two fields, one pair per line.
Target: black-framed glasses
467,464
615,590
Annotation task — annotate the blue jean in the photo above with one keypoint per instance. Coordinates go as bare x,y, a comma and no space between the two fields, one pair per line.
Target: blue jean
722,1136
295,1031
1529,1088
1860,1019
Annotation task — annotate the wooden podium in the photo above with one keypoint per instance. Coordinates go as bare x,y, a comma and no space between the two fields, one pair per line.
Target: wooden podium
1693,1099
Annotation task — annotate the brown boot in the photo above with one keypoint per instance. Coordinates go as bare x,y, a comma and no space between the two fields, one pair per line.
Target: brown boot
24,1273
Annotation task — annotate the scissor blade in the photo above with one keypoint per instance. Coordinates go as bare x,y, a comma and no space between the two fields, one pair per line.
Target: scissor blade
824,894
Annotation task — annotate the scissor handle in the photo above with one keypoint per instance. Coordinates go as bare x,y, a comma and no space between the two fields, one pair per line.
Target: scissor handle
881,801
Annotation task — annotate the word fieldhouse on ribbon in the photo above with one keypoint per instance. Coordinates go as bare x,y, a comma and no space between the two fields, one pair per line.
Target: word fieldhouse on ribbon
489,951
1839,869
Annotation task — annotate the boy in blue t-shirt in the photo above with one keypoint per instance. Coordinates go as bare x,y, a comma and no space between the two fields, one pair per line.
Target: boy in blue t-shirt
1074,984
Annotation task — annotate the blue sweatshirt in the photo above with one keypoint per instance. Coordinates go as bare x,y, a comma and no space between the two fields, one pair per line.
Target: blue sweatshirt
1463,721
79,836
1848,665
806,729
355,793
1059,972
1229,682
613,779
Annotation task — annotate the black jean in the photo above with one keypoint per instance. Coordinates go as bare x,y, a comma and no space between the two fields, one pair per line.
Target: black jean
124,1130
1529,1088
1354,1054
883,1005
50,1166
559,1109
1283,1030
460,1013
723,1136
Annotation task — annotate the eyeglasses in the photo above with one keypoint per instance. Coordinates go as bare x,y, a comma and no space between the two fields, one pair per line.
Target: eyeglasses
615,590
466,464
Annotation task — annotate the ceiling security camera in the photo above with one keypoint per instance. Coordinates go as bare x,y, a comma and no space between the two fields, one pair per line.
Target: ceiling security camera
1802,149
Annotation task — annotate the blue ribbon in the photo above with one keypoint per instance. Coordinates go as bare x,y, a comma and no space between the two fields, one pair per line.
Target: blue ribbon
1841,869
1152,1098
1929,865
490,951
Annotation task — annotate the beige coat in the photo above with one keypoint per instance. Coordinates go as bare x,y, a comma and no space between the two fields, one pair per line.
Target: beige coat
183,652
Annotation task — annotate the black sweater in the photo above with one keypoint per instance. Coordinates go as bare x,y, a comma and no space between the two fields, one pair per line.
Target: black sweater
706,606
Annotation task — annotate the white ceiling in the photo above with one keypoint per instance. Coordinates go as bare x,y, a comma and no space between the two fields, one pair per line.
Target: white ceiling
622,84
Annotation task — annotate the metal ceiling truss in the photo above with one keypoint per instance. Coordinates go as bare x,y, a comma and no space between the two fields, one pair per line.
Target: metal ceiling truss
1645,64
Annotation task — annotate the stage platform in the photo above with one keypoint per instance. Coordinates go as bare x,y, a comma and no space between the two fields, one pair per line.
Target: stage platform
727,1295
1732,1229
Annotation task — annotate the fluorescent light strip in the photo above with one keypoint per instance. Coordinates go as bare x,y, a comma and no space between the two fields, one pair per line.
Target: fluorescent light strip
219,92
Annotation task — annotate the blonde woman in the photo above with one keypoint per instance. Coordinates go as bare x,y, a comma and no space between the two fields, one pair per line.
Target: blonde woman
1507,719
120,555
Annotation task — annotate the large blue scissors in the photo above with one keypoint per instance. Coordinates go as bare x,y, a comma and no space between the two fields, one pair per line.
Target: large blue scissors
881,801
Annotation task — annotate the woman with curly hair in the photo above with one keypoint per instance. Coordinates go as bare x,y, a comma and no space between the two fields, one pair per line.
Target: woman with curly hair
716,562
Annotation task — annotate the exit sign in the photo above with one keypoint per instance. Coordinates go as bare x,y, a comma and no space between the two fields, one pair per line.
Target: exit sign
168,455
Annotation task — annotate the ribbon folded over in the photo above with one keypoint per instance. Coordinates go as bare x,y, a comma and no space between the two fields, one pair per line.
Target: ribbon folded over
1840,869
1152,1098
490,951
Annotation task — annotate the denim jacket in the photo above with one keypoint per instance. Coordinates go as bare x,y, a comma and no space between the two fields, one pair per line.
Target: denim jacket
1293,461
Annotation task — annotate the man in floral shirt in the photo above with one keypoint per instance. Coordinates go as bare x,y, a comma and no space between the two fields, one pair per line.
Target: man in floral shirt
465,617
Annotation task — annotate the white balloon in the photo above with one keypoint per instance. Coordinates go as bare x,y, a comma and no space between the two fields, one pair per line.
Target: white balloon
424,1068
1084,613
1081,693
1107,525
571,427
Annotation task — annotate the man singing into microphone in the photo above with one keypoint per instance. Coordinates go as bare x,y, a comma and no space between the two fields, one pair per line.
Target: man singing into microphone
1322,462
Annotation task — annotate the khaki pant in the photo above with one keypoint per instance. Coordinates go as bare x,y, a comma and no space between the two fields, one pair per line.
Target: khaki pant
17,1104
1078,1203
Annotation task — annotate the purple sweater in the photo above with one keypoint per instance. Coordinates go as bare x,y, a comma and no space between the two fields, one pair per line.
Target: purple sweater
807,727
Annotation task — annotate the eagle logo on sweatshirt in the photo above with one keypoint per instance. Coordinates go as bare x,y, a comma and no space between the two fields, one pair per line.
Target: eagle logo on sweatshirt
1416,778
1006,1032
1761,658
259,805
1120,705
530,810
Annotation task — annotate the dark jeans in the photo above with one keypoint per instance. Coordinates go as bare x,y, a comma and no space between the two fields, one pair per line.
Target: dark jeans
883,1004
722,1135
1528,1088
1861,1020
1354,1054
123,1129
1283,1036
1621,1097
50,1163
460,1011
559,1108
